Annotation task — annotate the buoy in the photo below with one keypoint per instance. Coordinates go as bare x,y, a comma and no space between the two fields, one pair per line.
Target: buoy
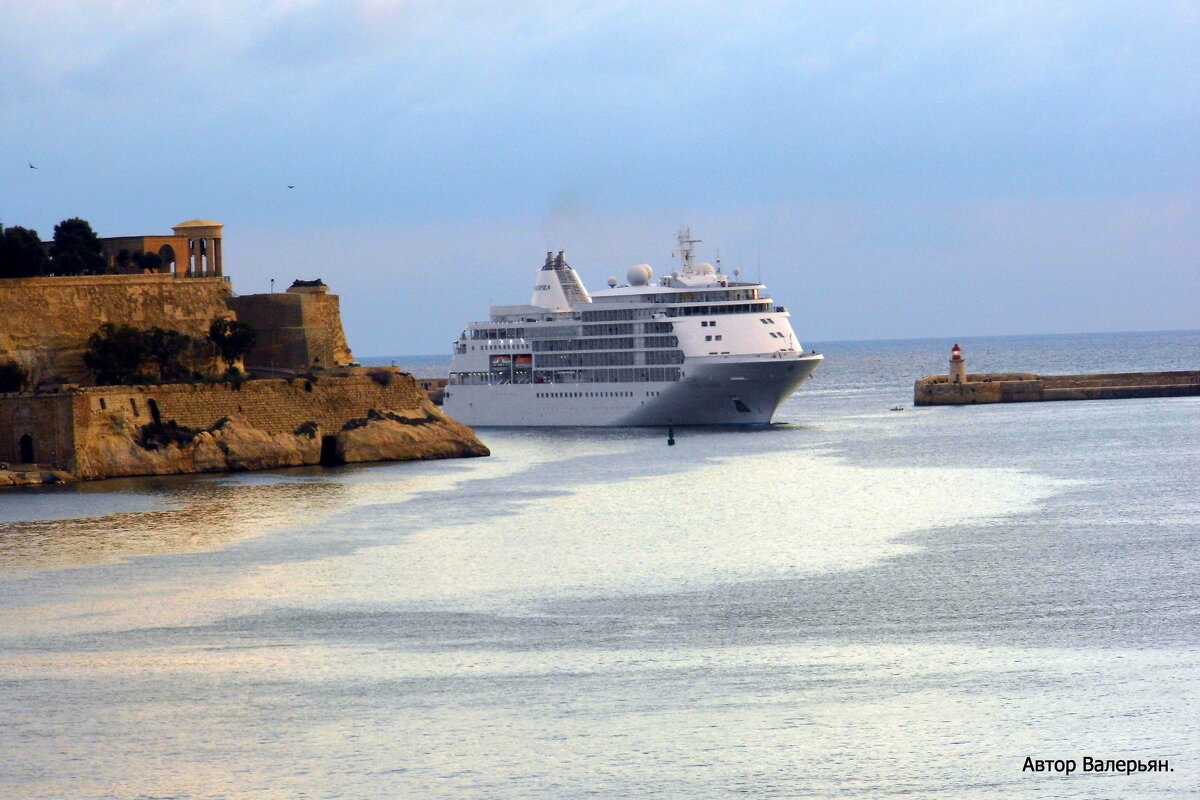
670,436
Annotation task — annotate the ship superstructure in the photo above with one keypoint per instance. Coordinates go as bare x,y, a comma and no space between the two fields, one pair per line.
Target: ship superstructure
697,347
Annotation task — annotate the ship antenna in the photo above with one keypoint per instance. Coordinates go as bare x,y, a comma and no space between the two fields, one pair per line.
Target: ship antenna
685,249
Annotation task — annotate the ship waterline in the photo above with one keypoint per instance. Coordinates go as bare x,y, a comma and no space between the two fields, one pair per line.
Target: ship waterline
697,348
710,392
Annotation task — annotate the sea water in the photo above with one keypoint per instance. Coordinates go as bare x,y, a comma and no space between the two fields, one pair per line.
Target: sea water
856,602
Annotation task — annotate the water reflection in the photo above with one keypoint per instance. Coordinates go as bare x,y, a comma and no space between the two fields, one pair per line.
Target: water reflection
184,514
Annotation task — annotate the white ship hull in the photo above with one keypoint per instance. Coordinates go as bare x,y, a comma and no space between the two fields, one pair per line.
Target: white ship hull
713,391
696,348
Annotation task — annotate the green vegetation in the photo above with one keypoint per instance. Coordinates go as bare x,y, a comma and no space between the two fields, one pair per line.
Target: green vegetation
138,262
167,348
122,355
380,416
233,339
116,354
308,429
382,375
157,435
22,254
76,249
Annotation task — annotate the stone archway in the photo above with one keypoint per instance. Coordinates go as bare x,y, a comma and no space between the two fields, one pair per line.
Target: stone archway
167,254
204,247
26,447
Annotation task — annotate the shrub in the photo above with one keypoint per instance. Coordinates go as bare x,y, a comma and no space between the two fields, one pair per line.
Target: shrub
166,348
383,376
116,354
162,434
233,339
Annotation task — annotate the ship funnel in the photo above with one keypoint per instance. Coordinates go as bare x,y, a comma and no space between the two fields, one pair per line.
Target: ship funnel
558,288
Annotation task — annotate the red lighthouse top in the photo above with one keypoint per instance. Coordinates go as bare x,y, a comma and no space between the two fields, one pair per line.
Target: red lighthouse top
956,353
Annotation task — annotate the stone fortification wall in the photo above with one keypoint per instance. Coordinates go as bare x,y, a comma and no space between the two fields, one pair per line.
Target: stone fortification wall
36,429
266,424
98,432
46,321
272,406
295,330
938,390
111,431
323,318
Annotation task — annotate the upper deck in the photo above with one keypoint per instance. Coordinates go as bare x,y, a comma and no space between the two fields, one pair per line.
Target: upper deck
640,331
645,302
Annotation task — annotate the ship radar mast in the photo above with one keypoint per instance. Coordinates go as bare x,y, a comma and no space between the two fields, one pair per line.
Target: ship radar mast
685,250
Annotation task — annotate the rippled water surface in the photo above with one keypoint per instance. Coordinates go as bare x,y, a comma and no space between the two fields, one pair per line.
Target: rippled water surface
855,603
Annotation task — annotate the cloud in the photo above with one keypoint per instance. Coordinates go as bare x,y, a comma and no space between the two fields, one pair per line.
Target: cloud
859,130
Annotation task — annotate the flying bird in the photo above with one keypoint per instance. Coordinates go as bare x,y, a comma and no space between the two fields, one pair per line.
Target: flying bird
31,166
290,186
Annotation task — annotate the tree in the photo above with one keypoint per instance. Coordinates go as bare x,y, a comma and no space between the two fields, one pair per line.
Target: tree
12,376
21,253
166,347
233,339
125,262
116,354
76,249
148,262
121,260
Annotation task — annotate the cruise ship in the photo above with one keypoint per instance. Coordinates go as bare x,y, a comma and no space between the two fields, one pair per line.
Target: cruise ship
696,347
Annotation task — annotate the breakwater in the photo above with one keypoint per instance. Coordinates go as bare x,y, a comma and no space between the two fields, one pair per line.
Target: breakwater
971,389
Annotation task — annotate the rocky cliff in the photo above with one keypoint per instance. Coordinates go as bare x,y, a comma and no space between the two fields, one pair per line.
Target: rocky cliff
116,431
116,448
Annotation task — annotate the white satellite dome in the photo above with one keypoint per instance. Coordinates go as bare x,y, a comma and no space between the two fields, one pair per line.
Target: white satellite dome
705,268
612,281
639,274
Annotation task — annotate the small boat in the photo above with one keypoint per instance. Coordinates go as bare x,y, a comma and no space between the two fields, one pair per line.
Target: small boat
897,408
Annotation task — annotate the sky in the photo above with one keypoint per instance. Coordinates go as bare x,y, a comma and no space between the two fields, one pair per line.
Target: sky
889,169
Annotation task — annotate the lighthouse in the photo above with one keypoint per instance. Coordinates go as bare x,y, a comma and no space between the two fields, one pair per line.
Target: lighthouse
958,367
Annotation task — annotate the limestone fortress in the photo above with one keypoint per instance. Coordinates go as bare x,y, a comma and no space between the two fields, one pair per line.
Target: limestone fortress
305,402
